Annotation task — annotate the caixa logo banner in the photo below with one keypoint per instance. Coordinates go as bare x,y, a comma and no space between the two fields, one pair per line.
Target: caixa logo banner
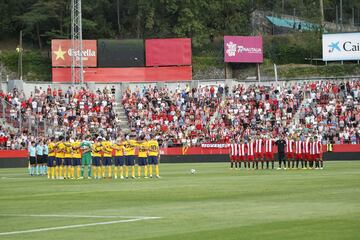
341,46
62,52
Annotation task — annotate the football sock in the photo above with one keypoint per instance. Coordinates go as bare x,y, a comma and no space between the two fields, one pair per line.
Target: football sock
103,171
78,170
272,164
37,169
253,165
232,165
61,171
262,165
239,164
82,170
139,171
132,171
267,164
69,171
52,172
72,171
31,170
321,163
56,171
248,164
150,170
121,172
115,171
65,171
89,171
99,171
157,170
127,171
145,171
94,172
109,171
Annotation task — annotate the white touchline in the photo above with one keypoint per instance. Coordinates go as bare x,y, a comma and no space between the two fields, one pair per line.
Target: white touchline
72,216
75,226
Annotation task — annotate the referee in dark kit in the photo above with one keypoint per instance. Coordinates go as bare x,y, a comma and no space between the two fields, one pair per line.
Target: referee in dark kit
281,144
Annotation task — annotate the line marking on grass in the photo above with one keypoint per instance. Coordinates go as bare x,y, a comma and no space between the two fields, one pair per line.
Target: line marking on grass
76,226
73,216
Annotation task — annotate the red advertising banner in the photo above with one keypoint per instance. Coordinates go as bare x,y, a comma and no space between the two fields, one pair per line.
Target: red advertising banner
62,52
168,52
245,49
149,74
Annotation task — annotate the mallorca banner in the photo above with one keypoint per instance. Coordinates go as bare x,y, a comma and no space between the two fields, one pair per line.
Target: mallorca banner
62,52
341,46
244,49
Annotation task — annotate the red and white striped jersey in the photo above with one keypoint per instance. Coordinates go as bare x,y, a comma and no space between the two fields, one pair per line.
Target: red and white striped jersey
233,149
306,146
298,147
312,147
269,145
289,146
316,147
250,148
258,145
241,149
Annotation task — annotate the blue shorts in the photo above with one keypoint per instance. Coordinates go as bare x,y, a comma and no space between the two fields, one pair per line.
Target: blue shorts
130,160
96,161
142,161
59,161
76,161
153,160
107,161
50,161
67,161
119,160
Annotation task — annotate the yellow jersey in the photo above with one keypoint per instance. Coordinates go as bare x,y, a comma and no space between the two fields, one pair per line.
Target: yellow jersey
107,149
68,150
153,147
76,149
143,148
130,147
119,149
60,148
96,150
51,147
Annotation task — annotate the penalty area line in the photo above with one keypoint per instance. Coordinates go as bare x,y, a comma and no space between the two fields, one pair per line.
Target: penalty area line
75,226
72,216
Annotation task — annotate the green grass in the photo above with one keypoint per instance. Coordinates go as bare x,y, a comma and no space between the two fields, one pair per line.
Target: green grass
215,203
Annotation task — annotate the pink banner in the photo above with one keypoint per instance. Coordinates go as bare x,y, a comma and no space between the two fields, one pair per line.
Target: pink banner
246,49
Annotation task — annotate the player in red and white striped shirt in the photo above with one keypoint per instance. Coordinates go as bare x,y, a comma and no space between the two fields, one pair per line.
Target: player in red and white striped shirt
306,152
242,152
290,151
259,152
233,152
250,147
312,151
318,153
298,152
269,155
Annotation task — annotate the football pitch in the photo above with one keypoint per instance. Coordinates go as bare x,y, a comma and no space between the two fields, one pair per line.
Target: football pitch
214,203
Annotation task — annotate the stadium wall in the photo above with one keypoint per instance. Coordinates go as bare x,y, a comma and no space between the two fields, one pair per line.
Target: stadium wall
341,152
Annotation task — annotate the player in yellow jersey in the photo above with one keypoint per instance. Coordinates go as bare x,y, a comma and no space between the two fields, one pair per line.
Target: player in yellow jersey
118,146
142,156
153,158
107,157
96,158
130,145
76,161
51,158
60,152
67,158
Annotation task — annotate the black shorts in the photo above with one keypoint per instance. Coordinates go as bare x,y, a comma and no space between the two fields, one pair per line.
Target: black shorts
142,161
119,160
39,159
32,160
50,161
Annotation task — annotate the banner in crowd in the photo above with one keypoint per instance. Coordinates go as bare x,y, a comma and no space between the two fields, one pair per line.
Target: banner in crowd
168,52
62,52
244,49
341,46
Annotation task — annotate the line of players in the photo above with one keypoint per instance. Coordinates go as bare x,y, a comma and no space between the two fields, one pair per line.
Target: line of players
292,153
67,159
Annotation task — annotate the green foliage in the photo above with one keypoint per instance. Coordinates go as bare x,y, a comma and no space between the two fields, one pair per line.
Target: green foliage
293,48
36,67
